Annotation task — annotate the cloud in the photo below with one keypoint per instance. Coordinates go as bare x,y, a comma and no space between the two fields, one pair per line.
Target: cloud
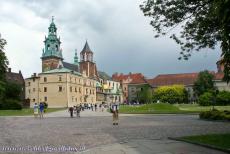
117,32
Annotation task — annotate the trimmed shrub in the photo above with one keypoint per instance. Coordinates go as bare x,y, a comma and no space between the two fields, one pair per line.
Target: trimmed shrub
215,115
223,98
10,104
206,99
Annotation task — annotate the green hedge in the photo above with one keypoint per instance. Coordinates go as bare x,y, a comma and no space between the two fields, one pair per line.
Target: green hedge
206,99
215,115
10,104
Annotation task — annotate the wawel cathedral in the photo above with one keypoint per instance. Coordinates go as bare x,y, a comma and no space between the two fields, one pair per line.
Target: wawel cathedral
63,84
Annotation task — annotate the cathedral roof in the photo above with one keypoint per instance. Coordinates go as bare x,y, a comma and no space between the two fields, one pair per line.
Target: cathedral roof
104,75
70,66
61,70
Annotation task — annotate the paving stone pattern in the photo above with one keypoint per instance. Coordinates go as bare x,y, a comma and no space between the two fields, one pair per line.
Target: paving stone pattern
95,130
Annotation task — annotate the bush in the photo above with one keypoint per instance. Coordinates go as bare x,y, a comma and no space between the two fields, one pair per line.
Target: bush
206,99
215,115
171,94
10,104
223,98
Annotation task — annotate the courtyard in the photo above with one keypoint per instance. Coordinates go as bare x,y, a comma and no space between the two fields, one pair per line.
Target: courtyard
94,131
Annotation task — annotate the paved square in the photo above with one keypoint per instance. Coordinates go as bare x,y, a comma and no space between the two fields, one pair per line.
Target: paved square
134,134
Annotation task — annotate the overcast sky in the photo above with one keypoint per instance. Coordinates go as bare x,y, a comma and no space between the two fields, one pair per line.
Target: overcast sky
117,32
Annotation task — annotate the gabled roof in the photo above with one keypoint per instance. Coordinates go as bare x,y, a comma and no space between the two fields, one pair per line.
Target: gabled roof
104,75
15,77
171,79
136,78
61,70
86,48
70,66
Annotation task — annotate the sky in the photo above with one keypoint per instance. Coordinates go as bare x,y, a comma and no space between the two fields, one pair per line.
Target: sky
116,30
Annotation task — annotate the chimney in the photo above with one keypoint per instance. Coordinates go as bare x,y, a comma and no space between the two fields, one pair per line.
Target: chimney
34,74
9,70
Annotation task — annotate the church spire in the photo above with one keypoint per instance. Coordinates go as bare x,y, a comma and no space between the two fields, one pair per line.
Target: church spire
86,48
52,43
52,27
86,53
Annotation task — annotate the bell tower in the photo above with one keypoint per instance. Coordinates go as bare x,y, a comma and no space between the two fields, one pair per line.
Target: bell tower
87,65
52,52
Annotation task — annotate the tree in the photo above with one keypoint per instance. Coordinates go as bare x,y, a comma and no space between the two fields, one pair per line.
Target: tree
145,95
3,60
204,83
206,99
203,24
223,98
171,94
3,67
12,91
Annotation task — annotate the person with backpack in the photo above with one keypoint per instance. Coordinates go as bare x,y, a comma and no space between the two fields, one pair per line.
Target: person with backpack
114,109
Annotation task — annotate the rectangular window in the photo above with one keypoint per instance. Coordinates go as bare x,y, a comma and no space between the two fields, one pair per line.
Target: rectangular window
28,83
33,89
29,90
75,89
33,79
45,79
79,89
70,89
60,88
45,89
45,98
59,78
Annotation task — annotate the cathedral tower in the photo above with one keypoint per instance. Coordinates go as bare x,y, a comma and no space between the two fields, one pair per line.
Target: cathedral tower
52,53
87,65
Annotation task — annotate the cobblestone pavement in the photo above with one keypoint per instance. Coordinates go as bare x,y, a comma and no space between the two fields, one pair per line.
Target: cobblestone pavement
95,131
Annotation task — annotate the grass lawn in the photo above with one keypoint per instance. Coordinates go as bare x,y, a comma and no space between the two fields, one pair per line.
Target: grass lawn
197,108
158,108
25,112
218,140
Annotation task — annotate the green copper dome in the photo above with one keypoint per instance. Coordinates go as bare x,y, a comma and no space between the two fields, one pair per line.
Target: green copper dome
52,43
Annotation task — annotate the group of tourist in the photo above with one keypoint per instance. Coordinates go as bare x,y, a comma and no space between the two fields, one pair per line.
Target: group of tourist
39,110
114,108
76,110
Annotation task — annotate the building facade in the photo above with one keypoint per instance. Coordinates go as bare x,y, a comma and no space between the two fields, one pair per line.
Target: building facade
126,80
62,84
108,90
60,88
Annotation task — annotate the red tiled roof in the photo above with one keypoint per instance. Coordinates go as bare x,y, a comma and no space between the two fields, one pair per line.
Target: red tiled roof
218,76
136,78
171,79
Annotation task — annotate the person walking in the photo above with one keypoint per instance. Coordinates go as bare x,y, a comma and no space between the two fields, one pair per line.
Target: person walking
41,110
36,110
71,112
78,109
95,107
115,109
